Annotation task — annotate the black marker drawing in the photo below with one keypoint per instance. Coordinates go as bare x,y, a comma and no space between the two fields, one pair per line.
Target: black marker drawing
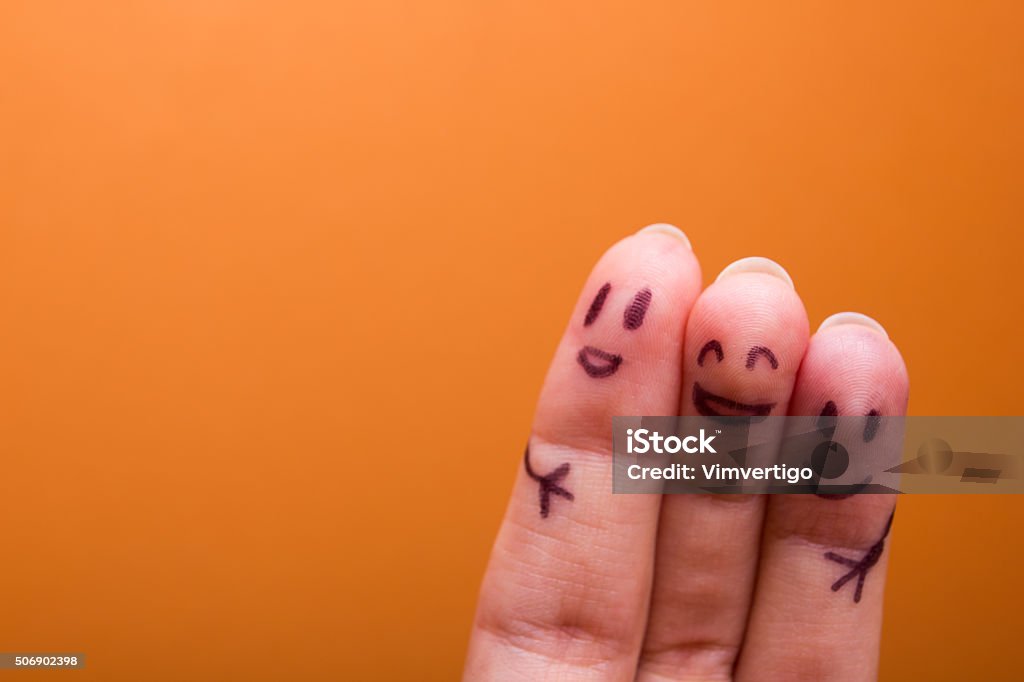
608,366
826,425
826,420
598,363
872,424
859,568
761,350
634,315
548,484
597,304
711,405
711,345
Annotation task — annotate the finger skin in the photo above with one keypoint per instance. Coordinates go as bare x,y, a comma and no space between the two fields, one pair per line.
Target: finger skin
707,551
817,610
566,590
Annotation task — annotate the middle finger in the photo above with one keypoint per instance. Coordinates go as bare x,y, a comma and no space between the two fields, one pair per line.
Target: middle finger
744,342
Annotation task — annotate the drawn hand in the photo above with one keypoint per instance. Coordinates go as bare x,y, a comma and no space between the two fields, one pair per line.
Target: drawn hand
586,585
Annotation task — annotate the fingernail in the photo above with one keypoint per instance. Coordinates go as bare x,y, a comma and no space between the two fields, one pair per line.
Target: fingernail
670,230
853,318
765,266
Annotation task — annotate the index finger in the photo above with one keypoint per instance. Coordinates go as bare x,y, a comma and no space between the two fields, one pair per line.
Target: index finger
566,591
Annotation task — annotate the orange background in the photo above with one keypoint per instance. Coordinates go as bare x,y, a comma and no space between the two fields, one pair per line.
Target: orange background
252,252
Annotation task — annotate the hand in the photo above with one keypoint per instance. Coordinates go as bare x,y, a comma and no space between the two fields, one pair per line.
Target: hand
586,585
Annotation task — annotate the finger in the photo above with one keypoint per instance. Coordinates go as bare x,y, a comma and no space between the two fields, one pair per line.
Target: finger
817,610
744,341
566,591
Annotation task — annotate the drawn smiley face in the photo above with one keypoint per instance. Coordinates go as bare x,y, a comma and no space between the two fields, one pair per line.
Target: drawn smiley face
599,363
831,459
711,404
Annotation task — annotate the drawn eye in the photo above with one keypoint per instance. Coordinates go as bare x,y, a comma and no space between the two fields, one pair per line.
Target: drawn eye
756,351
827,420
871,425
634,315
597,304
711,345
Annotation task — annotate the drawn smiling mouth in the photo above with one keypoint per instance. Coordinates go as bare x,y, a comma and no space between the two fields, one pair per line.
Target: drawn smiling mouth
608,365
711,405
